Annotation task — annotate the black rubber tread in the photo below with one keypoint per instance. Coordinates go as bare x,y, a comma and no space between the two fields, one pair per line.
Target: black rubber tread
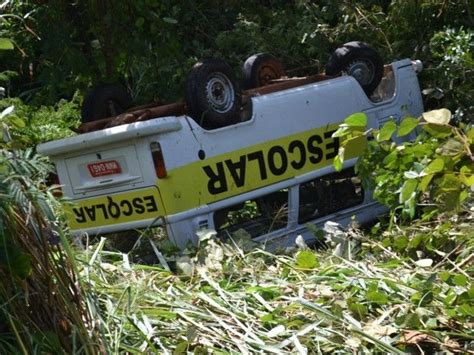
197,103
253,67
97,103
351,52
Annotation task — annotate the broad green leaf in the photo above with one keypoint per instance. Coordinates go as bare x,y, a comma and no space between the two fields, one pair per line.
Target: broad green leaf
386,131
466,310
306,260
425,181
407,125
449,182
467,175
358,119
391,158
438,117
438,131
6,44
339,159
460,280
408,189
435,166
376,297
341,132
451,147
444,275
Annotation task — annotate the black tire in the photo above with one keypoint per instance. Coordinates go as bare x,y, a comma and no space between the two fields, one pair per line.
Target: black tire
212,94
260,69
105,100
360,61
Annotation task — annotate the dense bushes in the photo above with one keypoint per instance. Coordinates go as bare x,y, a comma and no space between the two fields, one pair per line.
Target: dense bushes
61,47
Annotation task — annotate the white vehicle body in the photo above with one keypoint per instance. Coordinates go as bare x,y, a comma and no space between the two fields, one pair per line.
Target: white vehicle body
110,174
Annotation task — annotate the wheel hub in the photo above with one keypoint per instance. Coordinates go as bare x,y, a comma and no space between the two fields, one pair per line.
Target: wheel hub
220,93
362,70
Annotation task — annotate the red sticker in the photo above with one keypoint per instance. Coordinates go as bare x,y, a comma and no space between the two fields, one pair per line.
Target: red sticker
102,168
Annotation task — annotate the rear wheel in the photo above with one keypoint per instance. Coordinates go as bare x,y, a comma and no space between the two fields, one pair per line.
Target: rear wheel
212,95
260,69
105,100
359,60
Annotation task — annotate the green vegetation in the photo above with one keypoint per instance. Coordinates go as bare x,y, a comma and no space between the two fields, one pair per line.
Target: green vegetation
408,288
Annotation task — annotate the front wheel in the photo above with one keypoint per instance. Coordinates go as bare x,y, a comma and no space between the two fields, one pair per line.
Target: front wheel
359,60
212,95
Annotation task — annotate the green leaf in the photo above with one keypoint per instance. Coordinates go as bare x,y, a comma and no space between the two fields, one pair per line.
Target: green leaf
467,175
268,293
170,20
339,159
470,135
438,131
435,166
376,297
470,292
451,147
358,119
425,181
306,260
17,121
400,243
437,117
444,275
407,125
341,132
387,131
358,310
6,44
460,280
181,348
408,189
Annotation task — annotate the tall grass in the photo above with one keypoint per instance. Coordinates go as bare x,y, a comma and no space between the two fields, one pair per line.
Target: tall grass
42,309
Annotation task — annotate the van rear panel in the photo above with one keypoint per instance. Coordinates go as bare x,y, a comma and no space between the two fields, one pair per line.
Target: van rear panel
133,206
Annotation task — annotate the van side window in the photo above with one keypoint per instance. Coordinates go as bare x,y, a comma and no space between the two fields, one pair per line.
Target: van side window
257,216
328,194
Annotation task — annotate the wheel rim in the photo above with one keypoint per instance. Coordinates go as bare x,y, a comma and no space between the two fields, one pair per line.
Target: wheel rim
220,93
362,70
267,73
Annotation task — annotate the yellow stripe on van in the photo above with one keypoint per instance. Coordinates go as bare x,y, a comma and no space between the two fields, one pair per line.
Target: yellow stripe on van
250,168
123,207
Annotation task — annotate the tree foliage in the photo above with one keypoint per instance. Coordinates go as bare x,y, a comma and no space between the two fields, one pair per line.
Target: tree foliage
148,45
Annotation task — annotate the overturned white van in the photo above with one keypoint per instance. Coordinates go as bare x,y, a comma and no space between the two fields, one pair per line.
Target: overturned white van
267,170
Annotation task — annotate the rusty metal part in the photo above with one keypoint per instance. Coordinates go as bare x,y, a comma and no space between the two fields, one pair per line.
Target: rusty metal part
287,83
147,112
174,109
